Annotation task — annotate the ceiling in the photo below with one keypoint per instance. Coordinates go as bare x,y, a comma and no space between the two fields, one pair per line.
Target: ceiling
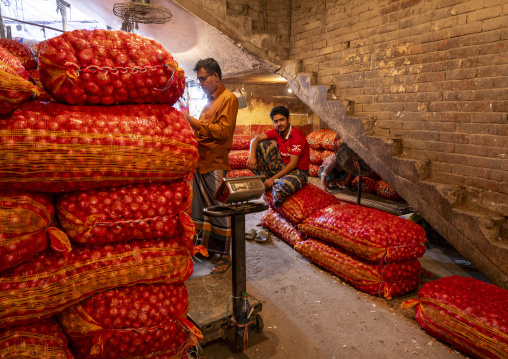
189,39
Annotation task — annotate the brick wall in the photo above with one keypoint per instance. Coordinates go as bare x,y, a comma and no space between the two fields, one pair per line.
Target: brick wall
431,72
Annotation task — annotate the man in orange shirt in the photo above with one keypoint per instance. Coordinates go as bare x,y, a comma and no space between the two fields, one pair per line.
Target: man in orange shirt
214,133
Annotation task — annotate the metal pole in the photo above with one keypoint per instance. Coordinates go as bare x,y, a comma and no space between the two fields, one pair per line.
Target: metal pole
63,10
2,30
238,265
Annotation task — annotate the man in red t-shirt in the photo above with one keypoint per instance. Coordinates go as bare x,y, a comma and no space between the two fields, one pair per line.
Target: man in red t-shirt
282,155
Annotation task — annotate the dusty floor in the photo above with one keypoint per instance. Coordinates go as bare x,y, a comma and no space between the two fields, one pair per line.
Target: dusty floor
309,313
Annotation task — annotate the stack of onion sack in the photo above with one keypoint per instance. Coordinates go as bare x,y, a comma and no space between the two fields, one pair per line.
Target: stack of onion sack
89,67
51,147
321,143
371,235
386,280
147,321
27,227
50,283
40,339
281,227
238,161
467,313
368,184
15,84
302,203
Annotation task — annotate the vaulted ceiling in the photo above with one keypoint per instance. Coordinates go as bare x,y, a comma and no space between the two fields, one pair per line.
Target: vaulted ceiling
189,39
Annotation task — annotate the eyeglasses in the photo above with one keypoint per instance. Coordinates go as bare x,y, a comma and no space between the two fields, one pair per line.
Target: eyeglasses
203,78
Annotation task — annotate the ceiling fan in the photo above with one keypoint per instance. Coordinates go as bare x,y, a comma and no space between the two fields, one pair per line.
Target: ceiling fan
134,12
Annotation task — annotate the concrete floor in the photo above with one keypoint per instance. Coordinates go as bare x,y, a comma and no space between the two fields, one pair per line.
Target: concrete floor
310,313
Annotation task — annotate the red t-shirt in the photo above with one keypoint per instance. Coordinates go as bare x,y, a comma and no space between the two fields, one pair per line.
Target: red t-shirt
294,144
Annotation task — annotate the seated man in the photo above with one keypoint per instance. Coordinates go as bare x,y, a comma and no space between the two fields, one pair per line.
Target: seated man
331,173
285,163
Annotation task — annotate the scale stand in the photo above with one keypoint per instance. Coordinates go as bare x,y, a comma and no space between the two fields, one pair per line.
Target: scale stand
208,303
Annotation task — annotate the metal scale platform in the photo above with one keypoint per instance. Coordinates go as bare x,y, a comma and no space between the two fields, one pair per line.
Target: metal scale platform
210,294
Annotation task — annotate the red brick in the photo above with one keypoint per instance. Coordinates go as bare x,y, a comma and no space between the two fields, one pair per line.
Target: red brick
476,161
468,171
467,149
482,183
443,106
459,95
453,137
474,106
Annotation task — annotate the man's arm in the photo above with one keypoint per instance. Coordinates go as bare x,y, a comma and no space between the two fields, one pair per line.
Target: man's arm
251,162
293,163
221,128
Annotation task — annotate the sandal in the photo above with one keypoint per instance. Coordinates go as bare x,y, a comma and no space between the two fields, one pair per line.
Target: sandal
221,262
263,236
250,235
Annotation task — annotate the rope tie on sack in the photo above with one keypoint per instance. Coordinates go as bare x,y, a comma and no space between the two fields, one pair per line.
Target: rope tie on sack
245,330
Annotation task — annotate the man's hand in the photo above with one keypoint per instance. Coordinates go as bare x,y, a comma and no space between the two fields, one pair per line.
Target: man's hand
268,183
251,163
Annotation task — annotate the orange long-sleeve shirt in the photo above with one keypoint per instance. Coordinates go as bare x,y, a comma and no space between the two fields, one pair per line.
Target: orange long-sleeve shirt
215,132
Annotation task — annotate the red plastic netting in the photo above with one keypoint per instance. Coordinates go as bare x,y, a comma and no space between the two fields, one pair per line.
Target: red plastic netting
238,159
383,189
322,139
239,173
114,214
370,234
90,67
131,322
241,142
384,280
316,156
27,227
302,203
15,86
313,170
50,147
40,339
368,184
49,283
469,314
281,227
21,51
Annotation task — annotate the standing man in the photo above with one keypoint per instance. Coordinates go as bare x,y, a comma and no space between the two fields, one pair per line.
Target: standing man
285,162
214,133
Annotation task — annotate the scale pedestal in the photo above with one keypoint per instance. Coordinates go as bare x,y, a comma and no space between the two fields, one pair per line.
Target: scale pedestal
209,294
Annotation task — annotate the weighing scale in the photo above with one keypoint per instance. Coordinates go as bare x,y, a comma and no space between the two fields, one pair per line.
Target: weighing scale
210,295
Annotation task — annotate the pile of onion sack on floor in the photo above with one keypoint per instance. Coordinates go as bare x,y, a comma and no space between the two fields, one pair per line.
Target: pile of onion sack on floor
95,231
377,253
238,156
374,251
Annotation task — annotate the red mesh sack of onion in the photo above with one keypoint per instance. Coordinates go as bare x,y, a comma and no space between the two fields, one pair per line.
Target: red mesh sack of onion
465,312
384,190
302,203
50,147
138,321
313,170
316,156
40,339
241,142
90,67
21,51
238,159
27,227
368,184
113,214
48,283
321,139
384,280
239,173
370,234
281,227
15,84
